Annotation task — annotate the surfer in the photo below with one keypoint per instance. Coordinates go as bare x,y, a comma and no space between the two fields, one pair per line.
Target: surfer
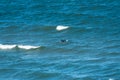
63,40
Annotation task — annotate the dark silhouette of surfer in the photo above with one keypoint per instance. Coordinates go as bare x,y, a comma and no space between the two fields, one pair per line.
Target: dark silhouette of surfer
63,40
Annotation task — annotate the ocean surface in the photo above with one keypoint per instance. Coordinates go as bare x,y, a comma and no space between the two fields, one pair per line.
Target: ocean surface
59,39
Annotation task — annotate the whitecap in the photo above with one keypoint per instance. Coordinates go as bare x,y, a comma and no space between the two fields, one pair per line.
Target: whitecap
27,47
7,46
60,27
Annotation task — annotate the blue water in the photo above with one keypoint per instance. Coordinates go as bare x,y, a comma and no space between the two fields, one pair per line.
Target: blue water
31,47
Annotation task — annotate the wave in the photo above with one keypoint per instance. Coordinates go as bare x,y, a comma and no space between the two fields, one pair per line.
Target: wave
26,47
7,46
36,29
60,27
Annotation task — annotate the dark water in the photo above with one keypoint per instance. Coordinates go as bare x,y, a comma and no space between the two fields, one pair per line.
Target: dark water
30,46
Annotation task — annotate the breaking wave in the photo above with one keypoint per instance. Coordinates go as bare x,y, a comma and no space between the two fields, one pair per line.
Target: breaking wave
26,47
60,27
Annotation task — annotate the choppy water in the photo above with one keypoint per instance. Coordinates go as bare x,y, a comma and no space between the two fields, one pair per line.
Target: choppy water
31,47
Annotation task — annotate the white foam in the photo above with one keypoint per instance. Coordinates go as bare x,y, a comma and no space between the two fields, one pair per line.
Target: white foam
60,27
111,79
7,46
27,47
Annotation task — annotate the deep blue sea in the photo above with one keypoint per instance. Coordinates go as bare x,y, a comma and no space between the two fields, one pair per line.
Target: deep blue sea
59,39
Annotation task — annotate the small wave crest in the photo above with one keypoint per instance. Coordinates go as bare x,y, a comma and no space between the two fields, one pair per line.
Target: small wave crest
60,27
26,47
7,46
